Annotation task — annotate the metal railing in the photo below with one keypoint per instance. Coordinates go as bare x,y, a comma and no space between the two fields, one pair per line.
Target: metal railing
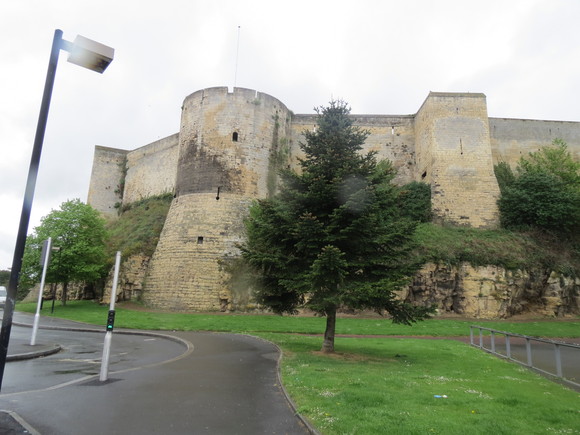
549,357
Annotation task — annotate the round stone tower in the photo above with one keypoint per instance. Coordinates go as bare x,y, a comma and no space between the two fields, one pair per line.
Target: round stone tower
231,146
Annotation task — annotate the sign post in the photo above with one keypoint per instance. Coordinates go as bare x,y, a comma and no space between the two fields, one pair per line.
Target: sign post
110,323
44,260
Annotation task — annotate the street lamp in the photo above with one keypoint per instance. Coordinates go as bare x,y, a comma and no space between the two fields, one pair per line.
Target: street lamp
88,54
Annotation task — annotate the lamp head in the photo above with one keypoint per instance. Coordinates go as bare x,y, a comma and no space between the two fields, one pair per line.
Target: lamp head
90,54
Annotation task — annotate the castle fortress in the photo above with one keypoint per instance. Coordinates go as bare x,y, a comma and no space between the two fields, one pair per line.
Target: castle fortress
231,145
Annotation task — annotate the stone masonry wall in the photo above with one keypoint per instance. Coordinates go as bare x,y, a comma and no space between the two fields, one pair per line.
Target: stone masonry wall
512,139
231,146
235,142
106,175
227,140
454,156
187,271
151,170
391,137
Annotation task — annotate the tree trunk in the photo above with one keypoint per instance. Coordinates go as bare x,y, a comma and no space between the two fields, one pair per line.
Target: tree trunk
328,343
64,291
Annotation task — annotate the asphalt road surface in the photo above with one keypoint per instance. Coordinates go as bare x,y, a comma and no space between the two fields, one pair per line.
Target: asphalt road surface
188,383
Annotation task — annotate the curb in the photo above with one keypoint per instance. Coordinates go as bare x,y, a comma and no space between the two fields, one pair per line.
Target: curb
35,354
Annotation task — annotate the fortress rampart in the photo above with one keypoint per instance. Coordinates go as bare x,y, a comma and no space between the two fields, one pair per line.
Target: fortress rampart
231,145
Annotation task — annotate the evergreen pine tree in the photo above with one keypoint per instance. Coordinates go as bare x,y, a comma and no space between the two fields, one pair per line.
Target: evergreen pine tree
333,237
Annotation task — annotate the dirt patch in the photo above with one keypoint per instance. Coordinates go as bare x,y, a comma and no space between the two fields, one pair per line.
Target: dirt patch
352,357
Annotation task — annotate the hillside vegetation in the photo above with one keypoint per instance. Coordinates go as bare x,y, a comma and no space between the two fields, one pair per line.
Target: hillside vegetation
139,226
509,249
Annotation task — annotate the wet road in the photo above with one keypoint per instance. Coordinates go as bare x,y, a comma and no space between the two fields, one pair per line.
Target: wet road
80,357
206,383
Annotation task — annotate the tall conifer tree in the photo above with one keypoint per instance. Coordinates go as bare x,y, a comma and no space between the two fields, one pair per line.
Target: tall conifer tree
333,237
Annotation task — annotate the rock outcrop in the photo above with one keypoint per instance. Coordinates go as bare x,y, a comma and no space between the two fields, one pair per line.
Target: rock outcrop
491,292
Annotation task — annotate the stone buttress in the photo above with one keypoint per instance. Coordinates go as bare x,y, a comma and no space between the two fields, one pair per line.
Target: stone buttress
454,156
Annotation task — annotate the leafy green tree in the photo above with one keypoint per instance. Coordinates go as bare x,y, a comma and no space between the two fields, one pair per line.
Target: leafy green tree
4,277
556,160
543,192
78,232
333,237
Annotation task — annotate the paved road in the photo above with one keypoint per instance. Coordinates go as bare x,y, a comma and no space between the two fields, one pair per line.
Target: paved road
193,383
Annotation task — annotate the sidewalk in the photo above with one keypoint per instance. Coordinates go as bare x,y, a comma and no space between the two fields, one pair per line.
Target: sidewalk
20,349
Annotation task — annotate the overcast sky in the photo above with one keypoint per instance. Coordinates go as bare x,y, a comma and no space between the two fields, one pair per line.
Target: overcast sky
380,56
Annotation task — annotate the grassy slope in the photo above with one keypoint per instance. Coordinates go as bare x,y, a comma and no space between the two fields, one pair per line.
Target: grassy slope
138,228
504,248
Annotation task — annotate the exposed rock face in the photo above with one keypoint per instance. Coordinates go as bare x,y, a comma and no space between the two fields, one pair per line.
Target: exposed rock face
491,292
486,292
131,277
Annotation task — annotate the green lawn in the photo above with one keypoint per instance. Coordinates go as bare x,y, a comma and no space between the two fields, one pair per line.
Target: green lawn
90,312
388,385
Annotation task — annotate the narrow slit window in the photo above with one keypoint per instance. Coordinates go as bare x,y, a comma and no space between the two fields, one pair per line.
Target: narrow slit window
235,136
200,240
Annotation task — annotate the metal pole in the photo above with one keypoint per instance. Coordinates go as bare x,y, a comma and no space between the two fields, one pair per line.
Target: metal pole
27,203
40,290
529,351
558,360
109,335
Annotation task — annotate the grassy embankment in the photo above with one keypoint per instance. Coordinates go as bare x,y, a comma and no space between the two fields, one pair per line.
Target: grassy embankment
138,227
379,385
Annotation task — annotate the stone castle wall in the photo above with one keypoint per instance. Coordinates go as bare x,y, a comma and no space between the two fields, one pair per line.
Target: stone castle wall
106,179
512,139
188,269
151,170
454,156
231,145
391,137
230,149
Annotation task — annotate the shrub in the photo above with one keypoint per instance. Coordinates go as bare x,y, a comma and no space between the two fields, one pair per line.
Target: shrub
415,201
540,199
543,193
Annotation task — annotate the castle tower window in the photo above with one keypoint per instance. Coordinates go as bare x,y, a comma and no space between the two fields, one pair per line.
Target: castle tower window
235,136
200,240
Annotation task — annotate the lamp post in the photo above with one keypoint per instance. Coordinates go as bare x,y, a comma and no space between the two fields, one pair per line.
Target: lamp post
88,54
